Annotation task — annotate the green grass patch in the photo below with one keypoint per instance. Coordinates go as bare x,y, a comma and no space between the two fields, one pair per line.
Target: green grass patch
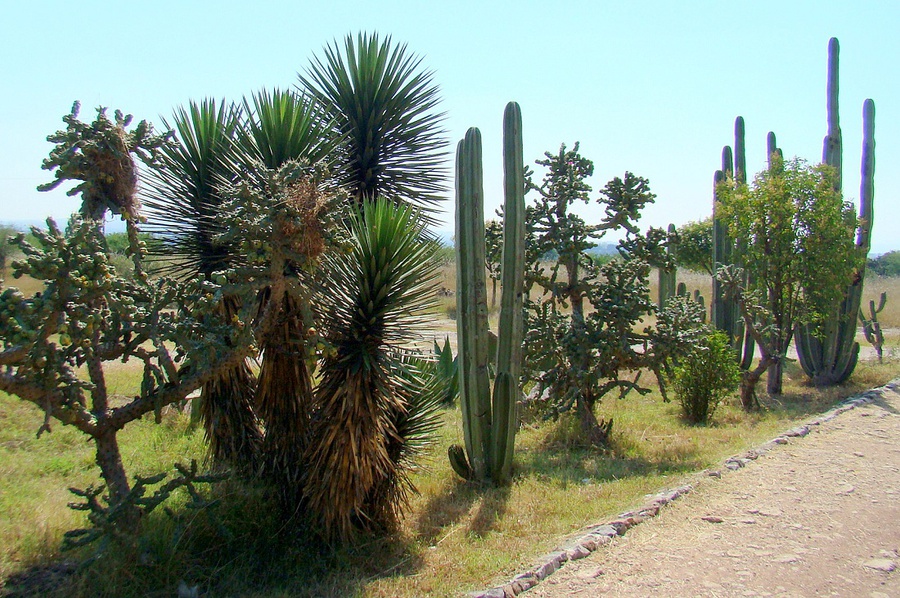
455,537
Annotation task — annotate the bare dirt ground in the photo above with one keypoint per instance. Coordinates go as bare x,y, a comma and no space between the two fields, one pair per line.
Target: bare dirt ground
819,516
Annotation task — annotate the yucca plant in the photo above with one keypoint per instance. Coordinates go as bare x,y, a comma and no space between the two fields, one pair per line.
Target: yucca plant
383,104
182,201
280,127
374,407
279,221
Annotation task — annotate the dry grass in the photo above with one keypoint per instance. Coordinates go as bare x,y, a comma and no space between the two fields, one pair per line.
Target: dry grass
456,536
26,284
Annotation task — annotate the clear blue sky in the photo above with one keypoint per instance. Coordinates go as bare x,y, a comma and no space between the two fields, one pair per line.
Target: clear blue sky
650,87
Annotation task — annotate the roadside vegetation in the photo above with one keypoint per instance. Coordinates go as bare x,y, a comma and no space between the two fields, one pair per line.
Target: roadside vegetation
249,392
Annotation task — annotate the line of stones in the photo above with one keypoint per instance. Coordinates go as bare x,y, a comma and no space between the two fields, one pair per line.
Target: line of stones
601,534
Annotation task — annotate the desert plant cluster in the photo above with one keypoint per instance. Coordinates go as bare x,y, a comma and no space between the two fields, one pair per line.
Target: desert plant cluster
278,273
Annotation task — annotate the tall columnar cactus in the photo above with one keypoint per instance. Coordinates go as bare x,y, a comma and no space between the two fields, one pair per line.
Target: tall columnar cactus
772,150
830,355
489,419
740,152
832,147
668,272
725,313
872,327
721,249
681,291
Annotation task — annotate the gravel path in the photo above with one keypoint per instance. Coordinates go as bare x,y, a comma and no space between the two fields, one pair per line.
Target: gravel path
819,516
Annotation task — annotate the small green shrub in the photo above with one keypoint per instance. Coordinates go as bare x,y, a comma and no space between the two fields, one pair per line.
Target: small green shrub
887,264
706,376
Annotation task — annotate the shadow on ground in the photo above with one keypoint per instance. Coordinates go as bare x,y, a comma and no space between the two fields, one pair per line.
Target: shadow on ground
251,553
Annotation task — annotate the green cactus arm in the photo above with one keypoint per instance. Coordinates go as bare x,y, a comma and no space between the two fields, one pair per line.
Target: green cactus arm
727,162
867,180
719,256
881,301
832,150
740,153
511,324
472,304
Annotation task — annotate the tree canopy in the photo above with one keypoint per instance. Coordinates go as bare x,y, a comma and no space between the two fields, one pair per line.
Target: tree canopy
793,232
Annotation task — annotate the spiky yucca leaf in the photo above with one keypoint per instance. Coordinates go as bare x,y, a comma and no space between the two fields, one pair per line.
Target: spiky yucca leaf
183,201
182,198
368,423
284,125
384,105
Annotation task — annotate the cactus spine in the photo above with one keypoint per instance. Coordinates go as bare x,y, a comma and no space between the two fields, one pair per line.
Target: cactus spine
831,357
489,422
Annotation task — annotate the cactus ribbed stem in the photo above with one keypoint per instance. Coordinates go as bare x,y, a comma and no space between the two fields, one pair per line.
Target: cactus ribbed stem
489,419
720,243
772,150
832,150
831,356
511,325
726,315
668,274
740,152
471,302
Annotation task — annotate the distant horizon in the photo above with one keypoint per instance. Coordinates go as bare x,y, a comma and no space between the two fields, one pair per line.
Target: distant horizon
445,236
648,86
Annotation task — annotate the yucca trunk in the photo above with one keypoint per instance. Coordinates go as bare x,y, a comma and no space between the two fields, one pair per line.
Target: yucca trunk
226,411
349,459
373,414
284,399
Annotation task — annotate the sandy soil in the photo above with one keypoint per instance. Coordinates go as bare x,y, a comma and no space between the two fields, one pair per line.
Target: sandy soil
819,516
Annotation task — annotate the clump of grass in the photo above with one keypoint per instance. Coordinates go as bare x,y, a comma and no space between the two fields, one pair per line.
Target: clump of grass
456,537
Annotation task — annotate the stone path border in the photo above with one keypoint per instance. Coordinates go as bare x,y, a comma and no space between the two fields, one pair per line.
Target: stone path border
600,534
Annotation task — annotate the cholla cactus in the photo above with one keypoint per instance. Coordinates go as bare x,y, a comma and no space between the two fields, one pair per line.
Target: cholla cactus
87,315
101,156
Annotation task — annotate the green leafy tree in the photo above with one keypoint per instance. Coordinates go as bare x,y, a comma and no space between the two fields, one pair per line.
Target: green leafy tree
887,264
580,354
695,246
794,234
